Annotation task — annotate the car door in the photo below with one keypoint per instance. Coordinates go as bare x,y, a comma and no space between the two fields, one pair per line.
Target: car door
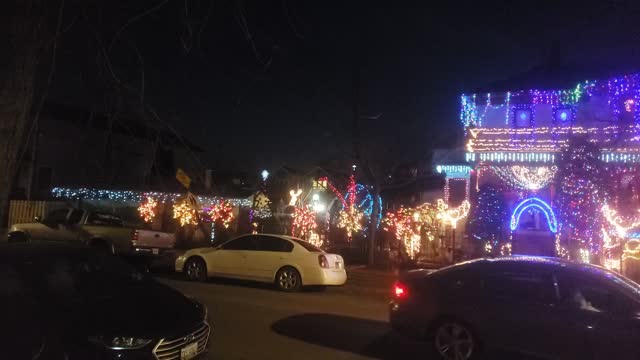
518,311
53,226
232,257
271,254
603,314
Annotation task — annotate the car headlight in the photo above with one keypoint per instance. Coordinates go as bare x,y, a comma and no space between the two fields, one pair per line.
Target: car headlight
121,342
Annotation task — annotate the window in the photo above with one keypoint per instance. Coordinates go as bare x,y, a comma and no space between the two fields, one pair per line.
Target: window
243,243
75,217
309,247
58,216
272,243
97,218
590,295
521,286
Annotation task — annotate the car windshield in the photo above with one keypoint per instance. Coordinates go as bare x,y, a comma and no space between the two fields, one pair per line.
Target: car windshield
308,246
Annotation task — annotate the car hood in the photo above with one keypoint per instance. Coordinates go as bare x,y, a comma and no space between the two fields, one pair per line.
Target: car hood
144,309
26,226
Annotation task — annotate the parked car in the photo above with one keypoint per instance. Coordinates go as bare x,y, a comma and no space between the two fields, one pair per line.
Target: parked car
99,230
62,301
286,261
542,307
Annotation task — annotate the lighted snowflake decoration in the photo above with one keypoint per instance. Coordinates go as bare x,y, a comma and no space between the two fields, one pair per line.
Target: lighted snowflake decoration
185,214
351,220
147,209
304,221
221,212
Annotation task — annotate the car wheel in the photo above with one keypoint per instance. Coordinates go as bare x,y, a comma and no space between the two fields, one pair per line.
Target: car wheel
288,279
455,341
196,269
102,247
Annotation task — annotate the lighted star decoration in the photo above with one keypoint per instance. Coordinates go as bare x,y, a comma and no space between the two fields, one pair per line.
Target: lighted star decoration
304,221
526,177
147,209
452,216
221,212
295,194
185,214
351,220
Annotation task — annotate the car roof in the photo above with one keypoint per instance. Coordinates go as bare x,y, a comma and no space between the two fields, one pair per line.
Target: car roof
524,260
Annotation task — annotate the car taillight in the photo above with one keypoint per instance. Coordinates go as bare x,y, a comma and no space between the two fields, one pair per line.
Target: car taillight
400,290
322,260
134,238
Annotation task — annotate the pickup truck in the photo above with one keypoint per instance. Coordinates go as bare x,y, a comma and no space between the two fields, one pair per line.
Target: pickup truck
103,231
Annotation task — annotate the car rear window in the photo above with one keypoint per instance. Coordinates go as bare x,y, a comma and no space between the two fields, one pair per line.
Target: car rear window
308,246
97,218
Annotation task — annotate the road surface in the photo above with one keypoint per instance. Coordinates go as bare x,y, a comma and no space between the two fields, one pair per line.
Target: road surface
256,322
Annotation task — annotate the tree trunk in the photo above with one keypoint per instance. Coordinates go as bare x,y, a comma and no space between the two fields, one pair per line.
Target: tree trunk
373,228
25,27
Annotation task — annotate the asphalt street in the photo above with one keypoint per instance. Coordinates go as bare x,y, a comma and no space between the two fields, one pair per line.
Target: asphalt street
252,321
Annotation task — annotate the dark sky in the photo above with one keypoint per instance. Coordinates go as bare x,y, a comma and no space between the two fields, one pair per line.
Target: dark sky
266,83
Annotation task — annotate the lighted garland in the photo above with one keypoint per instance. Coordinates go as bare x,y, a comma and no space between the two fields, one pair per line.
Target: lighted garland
137,196
452,216
526,177
304,222
616,238
147,209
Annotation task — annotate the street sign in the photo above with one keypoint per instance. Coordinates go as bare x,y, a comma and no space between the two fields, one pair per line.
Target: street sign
184,179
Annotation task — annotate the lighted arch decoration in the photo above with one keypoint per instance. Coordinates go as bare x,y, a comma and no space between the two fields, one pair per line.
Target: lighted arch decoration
538,204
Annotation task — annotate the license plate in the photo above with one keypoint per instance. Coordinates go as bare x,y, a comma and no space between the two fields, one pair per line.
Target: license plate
155,251
189,352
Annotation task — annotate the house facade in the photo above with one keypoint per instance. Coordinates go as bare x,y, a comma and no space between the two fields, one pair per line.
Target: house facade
564,164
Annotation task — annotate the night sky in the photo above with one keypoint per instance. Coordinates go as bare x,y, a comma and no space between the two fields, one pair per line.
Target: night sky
268,83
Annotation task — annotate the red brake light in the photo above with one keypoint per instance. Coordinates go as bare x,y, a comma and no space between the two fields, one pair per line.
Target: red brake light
322,260
400,290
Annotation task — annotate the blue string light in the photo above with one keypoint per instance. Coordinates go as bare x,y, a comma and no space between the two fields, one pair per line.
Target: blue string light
538,204
366,205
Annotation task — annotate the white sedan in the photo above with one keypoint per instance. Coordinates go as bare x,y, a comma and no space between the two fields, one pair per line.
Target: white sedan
286,261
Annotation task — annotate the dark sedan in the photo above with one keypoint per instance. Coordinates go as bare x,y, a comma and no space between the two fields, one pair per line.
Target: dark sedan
541,307
64,302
